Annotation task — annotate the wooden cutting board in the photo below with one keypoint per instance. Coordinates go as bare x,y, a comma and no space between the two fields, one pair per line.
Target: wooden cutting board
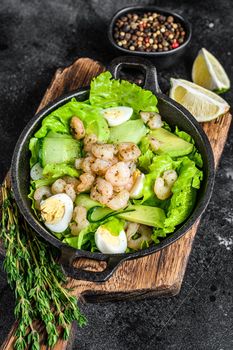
158,274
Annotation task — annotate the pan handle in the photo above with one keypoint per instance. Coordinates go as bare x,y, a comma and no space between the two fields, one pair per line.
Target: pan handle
137,63
67,258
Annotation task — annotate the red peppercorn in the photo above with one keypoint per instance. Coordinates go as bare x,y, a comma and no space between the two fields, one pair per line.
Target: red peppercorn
175,44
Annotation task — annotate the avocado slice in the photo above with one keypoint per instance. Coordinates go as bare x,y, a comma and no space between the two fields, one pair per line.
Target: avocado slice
171,144
146,215
130,131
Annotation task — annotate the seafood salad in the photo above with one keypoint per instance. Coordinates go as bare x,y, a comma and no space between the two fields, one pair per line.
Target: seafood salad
109,174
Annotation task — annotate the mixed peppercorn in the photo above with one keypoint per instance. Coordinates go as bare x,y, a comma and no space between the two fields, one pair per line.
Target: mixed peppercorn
148,32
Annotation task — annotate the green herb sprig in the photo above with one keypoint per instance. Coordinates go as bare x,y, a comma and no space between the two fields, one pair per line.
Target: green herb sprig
38,281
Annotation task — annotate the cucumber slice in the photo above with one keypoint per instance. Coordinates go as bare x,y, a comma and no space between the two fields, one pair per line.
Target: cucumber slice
142,214
55,150
97,213
52,134
85,201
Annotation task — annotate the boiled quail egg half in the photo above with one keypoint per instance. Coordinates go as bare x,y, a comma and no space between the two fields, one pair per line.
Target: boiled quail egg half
56,211
136,190
108,243
117,115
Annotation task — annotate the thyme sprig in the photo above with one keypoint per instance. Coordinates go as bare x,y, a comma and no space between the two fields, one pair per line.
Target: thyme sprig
37,279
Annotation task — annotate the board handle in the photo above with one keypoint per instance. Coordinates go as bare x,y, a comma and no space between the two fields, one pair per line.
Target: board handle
137,63
67,262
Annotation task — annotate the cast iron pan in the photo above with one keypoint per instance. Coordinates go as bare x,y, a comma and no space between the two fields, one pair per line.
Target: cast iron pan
171,112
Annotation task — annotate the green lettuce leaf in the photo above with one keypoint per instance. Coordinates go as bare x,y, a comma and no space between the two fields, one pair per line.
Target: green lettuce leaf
106,92
147,155
58,121
158,166
31,197
114,225
85,239
166,126
34,148
54,171
183,199
45,181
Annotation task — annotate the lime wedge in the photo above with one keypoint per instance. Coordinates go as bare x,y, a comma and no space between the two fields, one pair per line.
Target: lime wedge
208,72
203,104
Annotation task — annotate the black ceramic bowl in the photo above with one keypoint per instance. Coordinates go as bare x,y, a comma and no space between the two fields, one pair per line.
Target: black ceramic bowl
171,112
161,59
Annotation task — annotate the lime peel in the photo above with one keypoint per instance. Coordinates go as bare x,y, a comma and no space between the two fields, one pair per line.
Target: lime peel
208,72
203,104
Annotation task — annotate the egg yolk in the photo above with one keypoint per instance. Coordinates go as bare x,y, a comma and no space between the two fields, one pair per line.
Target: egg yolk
52,210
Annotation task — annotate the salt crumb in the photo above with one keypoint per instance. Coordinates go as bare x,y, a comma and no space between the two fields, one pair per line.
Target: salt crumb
226,242
230,219
211,25
229,173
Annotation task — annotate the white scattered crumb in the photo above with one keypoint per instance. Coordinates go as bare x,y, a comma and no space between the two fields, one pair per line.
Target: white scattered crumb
229,173
227,242
229,219
228,53
211,25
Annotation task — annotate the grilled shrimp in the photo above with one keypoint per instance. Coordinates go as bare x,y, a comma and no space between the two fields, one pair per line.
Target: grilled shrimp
58,186
70,191
100,166
87,163
132,166
77,128
163,185
40,194
114,160
118,174
130,184
128,151
88,141
87,181
161,189
118,188
131,228
143,231
170,177
71,180
104,151
67,185
152,119
80,218
78,163
102,191
119,201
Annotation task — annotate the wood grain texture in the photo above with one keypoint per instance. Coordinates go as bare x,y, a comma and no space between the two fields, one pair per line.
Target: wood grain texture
158,274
